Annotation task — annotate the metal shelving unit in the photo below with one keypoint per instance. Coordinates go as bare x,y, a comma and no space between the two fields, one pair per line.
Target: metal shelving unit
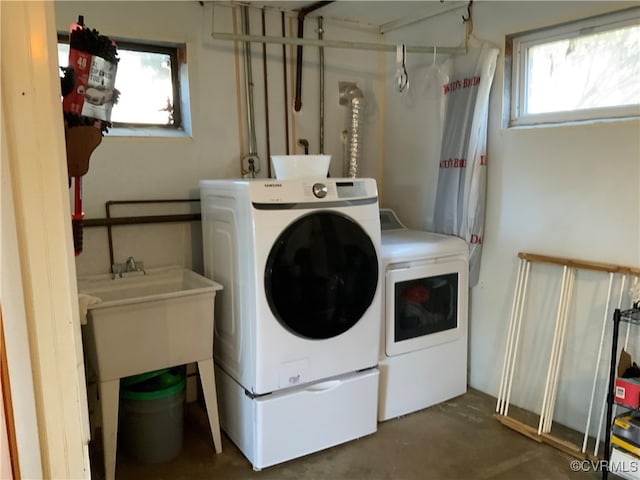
632,316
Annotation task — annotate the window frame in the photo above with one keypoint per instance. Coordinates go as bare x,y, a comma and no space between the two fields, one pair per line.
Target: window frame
516,54
176,53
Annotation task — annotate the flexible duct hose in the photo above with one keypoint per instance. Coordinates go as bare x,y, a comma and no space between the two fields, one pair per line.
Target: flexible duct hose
355,130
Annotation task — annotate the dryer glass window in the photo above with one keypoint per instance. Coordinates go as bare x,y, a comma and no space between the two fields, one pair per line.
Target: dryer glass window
321,275
425,306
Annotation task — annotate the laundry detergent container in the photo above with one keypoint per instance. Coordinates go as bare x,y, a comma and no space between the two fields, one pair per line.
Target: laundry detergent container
152,415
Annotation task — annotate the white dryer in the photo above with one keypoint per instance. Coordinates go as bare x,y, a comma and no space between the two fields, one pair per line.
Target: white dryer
298,328
423,348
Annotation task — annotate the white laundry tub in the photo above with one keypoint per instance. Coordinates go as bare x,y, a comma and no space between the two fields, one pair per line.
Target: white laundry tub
147,322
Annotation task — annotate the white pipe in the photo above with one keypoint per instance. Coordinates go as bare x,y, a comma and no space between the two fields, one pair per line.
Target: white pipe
510,364
554,347
626,339
606,388
565,322
622,287
312,42
405,22
512,323
558,348
248,79
553,362
596,368
515,351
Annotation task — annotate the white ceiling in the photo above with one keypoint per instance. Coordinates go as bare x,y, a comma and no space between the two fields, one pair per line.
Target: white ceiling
379,15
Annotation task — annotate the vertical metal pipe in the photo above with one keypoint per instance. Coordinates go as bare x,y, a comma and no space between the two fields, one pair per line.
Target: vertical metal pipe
284,81
109,236
302,13
321,49
249,83
266,95
297,104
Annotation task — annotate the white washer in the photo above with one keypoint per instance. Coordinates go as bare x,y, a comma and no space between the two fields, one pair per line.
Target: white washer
423,348
298,326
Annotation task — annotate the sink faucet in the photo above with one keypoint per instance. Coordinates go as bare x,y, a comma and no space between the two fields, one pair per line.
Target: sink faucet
130,265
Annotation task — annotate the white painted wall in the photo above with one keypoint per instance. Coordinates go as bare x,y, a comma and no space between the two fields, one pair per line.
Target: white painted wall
566,191
125,168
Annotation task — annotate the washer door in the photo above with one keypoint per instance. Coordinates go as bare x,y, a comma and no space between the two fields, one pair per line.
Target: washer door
321,275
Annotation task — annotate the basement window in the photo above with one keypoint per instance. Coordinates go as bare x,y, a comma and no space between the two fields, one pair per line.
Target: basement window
580,71
151,79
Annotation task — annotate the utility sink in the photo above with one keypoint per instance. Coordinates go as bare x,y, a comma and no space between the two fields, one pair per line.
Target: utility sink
141,323
146,322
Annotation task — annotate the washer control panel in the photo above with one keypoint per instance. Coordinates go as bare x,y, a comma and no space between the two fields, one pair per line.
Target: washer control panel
319,190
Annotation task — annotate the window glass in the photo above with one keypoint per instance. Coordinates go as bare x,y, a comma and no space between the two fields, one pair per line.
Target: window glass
599,70
146,88
583,70
148,82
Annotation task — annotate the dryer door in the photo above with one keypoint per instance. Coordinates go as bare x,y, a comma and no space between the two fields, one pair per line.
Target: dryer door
426,304
321,275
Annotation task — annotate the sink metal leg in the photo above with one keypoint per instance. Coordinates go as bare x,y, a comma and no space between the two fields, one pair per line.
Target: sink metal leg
208,381
109,392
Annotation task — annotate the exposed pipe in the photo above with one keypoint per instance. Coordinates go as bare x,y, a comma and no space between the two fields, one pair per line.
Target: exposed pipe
266,96
142,219
304,143
238,80
302,13
321,51
314,42
251,162
109,221
284,81
405,22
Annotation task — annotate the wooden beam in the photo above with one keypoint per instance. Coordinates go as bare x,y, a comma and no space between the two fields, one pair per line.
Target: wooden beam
581,264
552,440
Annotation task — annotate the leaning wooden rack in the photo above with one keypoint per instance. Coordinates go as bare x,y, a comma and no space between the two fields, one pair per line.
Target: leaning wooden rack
569,266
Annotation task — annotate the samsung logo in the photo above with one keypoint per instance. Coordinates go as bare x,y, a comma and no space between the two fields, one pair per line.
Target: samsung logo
273,185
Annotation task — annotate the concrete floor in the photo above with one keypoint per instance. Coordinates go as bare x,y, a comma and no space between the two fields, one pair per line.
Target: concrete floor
459,439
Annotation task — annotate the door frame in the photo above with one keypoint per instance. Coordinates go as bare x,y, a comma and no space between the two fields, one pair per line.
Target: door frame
38,267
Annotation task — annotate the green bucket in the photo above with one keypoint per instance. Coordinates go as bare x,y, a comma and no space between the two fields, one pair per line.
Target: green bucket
153,385
151,414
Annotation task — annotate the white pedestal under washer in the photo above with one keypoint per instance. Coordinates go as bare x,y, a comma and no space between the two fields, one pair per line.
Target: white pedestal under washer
423,348
298,329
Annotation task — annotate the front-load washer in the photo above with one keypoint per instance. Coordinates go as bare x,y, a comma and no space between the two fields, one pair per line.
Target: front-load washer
423,348
298,328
